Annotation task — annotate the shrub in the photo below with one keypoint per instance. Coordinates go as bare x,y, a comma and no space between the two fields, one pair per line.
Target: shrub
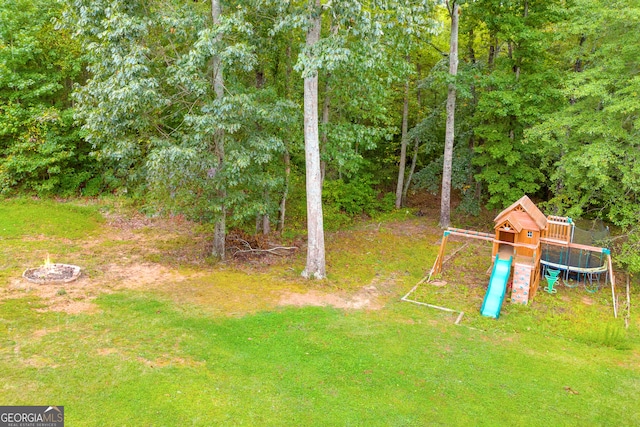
353,197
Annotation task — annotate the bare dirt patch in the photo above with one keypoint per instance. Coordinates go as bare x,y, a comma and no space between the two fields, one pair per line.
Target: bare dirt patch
130,222
72,298
369,297
77,297
137,276
107,351
72,307
438,283
366,298
38,362
169,256
114,260
410,227
166,360
587,300
42,332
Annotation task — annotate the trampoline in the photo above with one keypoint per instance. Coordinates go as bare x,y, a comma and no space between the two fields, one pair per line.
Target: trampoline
578,258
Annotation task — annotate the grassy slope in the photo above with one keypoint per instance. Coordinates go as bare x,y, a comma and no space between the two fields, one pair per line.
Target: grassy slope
149,358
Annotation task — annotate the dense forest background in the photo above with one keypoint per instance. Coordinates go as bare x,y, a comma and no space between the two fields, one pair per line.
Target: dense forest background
125,97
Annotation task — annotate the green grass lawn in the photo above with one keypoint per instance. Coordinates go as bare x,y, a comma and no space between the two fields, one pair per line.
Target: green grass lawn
144,357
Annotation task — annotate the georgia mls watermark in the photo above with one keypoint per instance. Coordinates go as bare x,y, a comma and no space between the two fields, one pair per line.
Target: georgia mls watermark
31,416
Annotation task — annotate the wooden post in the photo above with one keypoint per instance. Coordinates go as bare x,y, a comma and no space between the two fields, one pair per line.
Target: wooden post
535,279
607,252
437,266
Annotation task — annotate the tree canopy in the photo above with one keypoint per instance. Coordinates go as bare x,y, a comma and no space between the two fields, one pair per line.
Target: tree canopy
121,96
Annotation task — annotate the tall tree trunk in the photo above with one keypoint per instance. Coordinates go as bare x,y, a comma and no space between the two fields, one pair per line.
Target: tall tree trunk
288,71
266,225
403,145
470,50
262,223
315,267
259,78
285,193
445,201
287,156
577,66
418,90
220,229
325,121
326,106
518,64
472,140
416,145
412,169
494,50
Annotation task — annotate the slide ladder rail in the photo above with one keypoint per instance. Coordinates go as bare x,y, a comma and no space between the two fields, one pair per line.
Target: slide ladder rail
471,233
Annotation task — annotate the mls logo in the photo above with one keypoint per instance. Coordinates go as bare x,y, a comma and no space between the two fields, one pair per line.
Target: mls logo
31,416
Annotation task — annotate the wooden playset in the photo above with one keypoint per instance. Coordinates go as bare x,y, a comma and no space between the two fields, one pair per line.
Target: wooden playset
527,245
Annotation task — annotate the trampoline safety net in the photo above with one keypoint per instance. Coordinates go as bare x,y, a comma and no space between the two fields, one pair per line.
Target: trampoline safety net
579,260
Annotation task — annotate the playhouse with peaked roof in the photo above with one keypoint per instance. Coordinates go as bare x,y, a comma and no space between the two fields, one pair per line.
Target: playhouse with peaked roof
526,243
518,232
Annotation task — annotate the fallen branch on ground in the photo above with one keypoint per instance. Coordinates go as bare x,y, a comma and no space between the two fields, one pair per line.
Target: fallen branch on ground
273,250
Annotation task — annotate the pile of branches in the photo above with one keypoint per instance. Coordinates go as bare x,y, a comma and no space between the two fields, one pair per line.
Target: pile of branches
240,244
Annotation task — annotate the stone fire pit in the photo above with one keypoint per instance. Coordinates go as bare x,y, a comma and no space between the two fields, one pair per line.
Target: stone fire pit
52,273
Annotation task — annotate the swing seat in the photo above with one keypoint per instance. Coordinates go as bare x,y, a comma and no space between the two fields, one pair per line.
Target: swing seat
552,277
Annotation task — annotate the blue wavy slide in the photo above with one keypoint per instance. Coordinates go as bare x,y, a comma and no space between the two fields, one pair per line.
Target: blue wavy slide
497,287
